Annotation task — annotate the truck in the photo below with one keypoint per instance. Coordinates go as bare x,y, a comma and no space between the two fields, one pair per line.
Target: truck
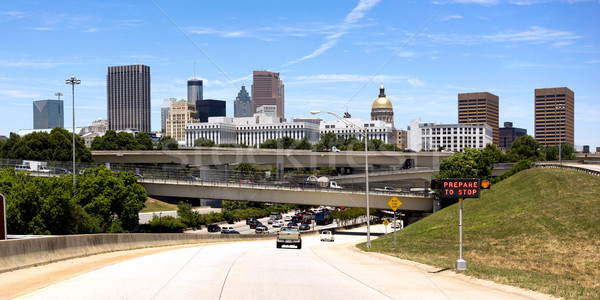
289,236
37,166
322,218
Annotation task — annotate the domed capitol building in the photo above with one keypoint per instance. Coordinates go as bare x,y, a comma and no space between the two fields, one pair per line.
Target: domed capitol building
382,108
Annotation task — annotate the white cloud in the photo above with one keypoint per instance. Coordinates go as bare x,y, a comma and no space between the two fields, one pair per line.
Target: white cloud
29,64
483,2
348,78
536,35
44,28
91,30
221,33
453,17
331,40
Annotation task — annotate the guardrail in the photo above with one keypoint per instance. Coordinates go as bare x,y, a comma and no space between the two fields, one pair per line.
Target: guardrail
576,168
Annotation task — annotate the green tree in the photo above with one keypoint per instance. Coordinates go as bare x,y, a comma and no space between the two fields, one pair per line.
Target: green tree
144,142
57,145
126,141
269,144
167,143
525,147
470,164
203,142
492,154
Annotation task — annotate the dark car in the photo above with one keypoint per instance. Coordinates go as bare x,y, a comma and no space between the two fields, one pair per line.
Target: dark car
214,228
231,232
254,223
304,226
62,171
248,220
296,219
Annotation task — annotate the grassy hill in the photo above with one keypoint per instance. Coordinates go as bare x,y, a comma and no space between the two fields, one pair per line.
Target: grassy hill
539,229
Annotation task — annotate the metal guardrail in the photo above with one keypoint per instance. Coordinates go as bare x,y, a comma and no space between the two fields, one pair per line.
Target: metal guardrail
576,168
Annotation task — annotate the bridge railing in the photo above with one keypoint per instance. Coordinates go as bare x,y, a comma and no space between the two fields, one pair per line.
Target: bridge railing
570,167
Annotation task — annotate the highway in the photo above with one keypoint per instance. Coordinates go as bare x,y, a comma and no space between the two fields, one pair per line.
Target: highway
257,270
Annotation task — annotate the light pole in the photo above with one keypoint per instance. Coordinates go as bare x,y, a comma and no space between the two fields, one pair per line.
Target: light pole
364,134
560,107
58,94
73,81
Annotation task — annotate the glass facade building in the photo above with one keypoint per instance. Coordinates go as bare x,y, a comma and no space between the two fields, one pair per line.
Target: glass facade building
195,90
210,108
48,114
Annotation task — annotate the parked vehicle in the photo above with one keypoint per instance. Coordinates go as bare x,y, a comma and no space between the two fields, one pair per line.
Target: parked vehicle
37,166
327,235
289,236
213,228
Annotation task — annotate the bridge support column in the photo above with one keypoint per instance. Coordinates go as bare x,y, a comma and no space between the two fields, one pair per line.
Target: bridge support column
279,171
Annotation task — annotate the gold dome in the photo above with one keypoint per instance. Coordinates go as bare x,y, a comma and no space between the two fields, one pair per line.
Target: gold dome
382,101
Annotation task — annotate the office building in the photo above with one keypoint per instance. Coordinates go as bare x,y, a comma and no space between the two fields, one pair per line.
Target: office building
382,108
447,137
210,108
508,134
164,113
268,110
376,129
242,105
554,116
48,114
400,138
480,108
128,97
195,91
268,89
180,114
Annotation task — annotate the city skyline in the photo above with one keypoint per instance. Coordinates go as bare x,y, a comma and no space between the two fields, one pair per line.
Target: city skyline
331,56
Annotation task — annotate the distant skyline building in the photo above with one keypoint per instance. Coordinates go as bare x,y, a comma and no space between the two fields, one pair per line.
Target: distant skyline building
448,137
210,108
128,97
195,90
382,108
480,108
508,134
164,112
48,114
376,129
268,110
242,106
555,116
180,114
268,89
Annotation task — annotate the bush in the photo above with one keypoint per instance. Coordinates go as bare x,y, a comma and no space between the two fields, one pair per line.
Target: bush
166,224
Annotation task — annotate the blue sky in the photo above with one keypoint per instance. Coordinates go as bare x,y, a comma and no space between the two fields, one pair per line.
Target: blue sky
331,54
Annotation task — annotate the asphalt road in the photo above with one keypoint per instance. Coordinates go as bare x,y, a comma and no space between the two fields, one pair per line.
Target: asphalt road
257,270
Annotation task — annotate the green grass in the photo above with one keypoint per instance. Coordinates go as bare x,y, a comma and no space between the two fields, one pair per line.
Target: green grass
538,229
153,205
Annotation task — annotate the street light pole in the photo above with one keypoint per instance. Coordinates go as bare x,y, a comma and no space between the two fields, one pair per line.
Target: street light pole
561,107
364,134
73,81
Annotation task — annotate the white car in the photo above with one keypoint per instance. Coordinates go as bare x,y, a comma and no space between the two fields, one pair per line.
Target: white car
397,224
327,235
287,218
278,223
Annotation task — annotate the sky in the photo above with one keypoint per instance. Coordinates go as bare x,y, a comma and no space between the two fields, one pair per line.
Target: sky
331,55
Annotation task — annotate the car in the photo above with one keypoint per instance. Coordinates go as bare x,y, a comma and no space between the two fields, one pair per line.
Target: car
386,189
193,178
296,219
327,235
231,232
273,219
248,220
304,226
291,224
261,230
287,218
278,223
246,181
213,228
61,171
255,223
226,228
397,224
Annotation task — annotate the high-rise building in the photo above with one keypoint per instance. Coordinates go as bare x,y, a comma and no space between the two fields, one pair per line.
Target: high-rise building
195,90
382,108
164,113
242,106
555,116
180,114
128,95
480,108
268,89
48,114
508,134
447,137
210,108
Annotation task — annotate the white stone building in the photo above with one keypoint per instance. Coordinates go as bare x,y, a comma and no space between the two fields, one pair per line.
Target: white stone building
449,137
376,129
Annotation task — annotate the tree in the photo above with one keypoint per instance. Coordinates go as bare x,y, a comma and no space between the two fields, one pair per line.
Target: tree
144,142
492,154
203,142
269,144
524,147
126,141
57,145
167,143
470,164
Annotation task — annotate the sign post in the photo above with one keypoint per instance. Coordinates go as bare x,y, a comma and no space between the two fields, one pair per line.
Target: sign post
394,203
386,223
461,264
3,229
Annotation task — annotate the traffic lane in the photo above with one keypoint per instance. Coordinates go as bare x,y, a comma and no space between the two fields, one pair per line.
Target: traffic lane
246,270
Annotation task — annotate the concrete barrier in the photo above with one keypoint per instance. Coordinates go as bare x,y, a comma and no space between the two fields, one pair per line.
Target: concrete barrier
23,253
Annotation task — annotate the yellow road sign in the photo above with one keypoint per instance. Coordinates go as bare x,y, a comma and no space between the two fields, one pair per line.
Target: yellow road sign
394,203
386,222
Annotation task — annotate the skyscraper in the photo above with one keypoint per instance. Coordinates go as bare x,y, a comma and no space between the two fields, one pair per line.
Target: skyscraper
480,108
268,89
128,94
242,106
48,114
195,91
164,112
210,108
555,116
